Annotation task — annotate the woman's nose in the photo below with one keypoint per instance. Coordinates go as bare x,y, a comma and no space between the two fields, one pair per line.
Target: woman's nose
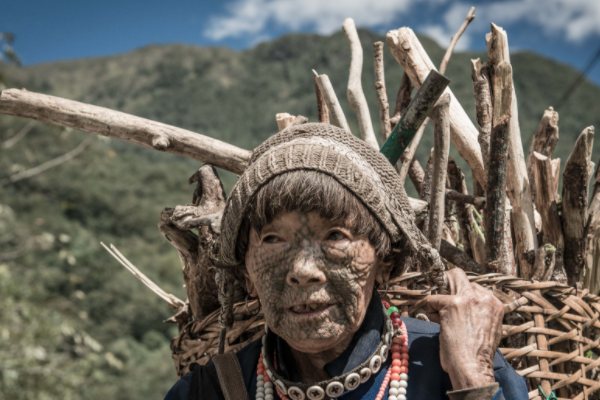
305,272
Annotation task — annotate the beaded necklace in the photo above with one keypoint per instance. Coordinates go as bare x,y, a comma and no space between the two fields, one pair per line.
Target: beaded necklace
396,376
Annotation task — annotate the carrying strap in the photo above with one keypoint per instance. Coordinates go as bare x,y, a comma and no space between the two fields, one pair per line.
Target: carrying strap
230,376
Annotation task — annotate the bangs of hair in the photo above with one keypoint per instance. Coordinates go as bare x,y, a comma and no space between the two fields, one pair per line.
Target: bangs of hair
312,191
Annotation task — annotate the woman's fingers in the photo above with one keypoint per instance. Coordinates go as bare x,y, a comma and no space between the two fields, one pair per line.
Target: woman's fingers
458,281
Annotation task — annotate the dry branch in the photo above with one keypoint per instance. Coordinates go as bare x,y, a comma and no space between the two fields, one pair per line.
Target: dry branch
464,197
409,52
555,176
47,165
321,105
384,107
172,300
544,263
337,115
403,99
408,157
425,193
459,258
463,209
417,175
546,203
118,125
496,193
544,141
440,168
470,17
356,96
518,182
594,207
483,106
574,204
284,120
198,253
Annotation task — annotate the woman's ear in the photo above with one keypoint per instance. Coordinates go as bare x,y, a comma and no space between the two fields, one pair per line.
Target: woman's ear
250,286
384,270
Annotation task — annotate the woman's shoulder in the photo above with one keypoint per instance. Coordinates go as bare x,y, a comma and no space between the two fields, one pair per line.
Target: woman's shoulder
208,380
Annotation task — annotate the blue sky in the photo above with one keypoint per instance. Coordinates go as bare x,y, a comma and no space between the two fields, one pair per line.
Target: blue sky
566,30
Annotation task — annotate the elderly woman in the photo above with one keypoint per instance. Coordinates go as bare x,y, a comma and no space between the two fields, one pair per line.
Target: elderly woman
316,223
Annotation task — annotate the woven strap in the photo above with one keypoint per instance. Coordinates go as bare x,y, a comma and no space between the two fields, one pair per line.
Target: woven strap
230,376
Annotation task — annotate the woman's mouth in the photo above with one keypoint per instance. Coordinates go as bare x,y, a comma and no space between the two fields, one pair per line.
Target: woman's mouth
309,309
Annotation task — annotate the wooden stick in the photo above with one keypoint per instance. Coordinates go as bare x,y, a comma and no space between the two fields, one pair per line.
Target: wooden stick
118,125
403,99
284,120
425,193
463,209
496,194
517,180
172,300
483,106
356,96
546,203
408,156
384,107
337,115
409,52
321,105
417,175
459,258
463,196
416,113
555,177
574,204
594,207
507,253
543,142
497,168
544,263
470,17
440,168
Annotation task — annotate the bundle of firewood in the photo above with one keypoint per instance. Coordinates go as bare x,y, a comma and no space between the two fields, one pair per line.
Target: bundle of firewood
537,250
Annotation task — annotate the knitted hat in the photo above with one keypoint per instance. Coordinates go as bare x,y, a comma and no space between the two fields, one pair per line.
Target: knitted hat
353,163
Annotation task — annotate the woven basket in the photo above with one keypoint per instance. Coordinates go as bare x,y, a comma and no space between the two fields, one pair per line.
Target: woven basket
551,332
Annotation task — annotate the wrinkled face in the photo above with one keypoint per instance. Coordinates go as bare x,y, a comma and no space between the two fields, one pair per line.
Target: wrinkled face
314,279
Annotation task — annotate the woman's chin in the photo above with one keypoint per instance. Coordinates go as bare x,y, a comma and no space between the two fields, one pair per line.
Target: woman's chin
316,343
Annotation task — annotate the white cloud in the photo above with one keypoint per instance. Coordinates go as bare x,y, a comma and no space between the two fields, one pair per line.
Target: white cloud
575,20
252,17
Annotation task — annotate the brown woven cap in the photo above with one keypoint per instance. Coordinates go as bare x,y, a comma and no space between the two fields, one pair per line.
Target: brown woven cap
353,163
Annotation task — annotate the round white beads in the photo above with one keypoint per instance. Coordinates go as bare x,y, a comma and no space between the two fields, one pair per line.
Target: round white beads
375,364
352,381
365,374
334,389
384,352
315,393
295,393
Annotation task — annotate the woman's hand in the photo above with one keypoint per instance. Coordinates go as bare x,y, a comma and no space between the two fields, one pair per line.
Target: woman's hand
470,321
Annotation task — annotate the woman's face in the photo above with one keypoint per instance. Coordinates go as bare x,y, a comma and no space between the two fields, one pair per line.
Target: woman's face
314,279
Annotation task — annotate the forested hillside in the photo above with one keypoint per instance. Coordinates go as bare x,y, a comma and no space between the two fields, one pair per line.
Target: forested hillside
73,323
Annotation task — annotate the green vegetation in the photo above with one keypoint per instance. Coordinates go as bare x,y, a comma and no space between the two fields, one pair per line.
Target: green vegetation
73,323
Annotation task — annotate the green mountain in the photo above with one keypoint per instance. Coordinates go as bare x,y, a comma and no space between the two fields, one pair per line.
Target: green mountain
74,323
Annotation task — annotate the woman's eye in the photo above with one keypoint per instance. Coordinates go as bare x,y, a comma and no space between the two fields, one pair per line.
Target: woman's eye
335,235
271,239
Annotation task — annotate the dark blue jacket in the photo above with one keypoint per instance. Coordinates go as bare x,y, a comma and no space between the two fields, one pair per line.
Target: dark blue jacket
427,379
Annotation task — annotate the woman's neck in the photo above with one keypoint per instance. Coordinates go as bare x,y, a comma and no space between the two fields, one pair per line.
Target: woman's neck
311,366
